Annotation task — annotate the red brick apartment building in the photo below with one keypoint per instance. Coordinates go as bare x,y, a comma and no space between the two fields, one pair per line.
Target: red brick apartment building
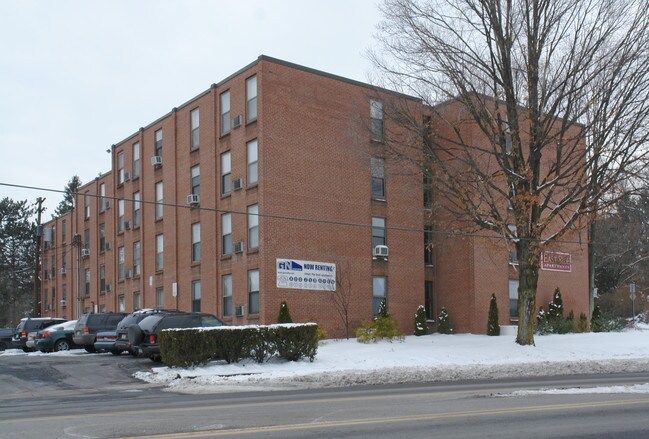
269,186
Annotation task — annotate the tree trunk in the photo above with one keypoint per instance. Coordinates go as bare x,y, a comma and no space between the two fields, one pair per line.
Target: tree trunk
528,280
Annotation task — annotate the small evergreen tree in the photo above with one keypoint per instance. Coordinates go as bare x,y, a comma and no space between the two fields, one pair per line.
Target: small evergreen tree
596,323
284,316
493,328
582,324
382,327
555,307
67,204
383,309
421,327
444,322
543,325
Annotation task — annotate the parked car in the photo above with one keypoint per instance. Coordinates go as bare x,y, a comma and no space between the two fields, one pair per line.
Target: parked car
6,336
134,318
105,342
57,338
144,336
88,325
32,325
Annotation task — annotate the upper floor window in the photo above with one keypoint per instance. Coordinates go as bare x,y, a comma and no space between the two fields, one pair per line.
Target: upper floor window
226,234
102,197
159,252
120,215
378,231
136,209
158,142
378,177
226,177
253,226
64,233
376,120
252,162
159,207
86,239
195,172
121,263
120,168
137,258
86,205
428,191
194,121
136,159
196,242
102,278
251,98
102,237
225,112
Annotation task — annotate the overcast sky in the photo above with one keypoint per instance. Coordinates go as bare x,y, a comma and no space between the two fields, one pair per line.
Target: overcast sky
79,76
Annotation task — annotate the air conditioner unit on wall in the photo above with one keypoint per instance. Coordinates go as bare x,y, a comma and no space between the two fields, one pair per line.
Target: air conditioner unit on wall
129,274
238,247
127,225
62,270
156,160
380,251
237,184
193,199
85,253
236,121
108,288
127,176
63,303
106,204
239,310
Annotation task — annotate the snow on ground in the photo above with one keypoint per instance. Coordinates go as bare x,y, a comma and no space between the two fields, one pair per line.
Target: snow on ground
429,358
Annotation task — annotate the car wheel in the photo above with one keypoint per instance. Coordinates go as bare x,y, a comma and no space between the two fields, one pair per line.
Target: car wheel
26,349
155,358
135,335
90,349
2,347
133,352
116,351
61,345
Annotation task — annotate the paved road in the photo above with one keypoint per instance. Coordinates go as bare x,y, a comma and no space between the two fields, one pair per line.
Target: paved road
107,403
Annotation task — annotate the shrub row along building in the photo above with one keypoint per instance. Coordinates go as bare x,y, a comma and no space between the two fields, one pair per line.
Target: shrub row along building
271,186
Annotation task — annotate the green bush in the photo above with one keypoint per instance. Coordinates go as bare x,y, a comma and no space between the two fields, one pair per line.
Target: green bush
444,322
582,324
296,342
421,326
284,316
493,327
596,323
543,325
382,328
186,348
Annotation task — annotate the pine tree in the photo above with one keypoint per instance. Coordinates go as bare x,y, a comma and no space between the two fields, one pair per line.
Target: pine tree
383,310
596,324
67,204
555,307
444,322
421,327
493,328
284,316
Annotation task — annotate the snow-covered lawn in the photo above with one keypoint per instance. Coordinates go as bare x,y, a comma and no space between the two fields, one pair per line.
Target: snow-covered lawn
429,358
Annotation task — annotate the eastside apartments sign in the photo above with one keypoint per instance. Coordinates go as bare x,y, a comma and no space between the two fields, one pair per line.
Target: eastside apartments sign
555,261
306,275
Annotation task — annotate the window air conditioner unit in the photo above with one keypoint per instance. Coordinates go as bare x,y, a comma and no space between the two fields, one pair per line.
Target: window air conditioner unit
127,225
237,184
236,121
156,160
380,251
193,199
238,247
63,303
127,176
129,274
85,253
107,246
108,288
106,205
62,270
49,307
239,310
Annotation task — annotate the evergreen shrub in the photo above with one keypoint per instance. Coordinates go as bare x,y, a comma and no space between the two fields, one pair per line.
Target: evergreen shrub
421,326
284,316
382,327
493,327
444,322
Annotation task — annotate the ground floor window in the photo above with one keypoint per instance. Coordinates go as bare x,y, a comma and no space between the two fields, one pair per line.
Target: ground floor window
379,292
253,292
196,296
428,300
513,300
159,297
121,306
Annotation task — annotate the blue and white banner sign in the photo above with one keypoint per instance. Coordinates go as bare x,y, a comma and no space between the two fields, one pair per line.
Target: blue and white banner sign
306,275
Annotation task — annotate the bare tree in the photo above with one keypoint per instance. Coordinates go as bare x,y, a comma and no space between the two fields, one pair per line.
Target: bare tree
342,296
558,91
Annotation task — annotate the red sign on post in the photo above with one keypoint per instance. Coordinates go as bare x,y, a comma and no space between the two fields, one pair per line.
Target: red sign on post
554,261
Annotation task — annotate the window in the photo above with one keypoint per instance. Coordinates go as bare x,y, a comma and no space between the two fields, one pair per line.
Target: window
226,178
136,159
378,177
86,276
53,297
120,168
376,120
102,308
428,245
513,299
136,209
121,263
194,121
64,233
251,98
196,242
102,277
225,112
158,143
159,297
428,300
102,237
226,234
86,239
428,191
64,294
227,295
196,296
137,269
64,260
378,231
121,305
86,205
253,226
53,266
379,292
252,162
253,292
120,215
195,172
137,304
102,197
159,207
159,252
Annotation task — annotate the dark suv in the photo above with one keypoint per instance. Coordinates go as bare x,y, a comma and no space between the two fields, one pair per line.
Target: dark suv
32,325
90,324
121,340
6,335
144,336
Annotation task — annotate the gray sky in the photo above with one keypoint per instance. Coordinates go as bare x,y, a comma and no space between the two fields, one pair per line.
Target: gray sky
78,76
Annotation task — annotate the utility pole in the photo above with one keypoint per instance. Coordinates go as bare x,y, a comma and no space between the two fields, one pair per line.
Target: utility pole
37,259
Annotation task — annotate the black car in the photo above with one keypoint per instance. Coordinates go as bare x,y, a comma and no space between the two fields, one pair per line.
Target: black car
32,325
90,324
144,336
121,341
6,336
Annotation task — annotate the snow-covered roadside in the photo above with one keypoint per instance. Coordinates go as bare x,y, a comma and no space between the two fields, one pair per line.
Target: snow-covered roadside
419,359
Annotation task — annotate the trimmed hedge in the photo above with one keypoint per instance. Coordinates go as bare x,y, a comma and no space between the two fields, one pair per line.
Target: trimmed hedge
197,346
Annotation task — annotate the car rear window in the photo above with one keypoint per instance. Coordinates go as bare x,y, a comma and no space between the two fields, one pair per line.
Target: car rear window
114,319
179,321
210,321
148,323
129,320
